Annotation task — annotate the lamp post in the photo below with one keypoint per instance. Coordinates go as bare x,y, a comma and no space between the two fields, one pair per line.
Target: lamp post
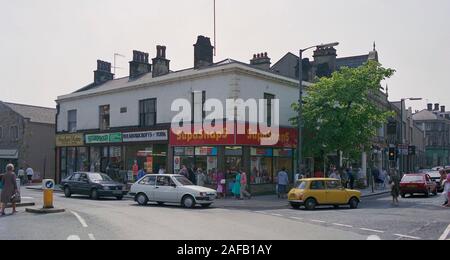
402,138
300,100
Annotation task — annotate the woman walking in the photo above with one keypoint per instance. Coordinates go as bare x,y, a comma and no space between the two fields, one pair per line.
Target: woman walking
394,182
9,189
237,186
221,182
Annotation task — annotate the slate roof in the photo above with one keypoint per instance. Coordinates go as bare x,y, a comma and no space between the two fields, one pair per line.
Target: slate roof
35,114
351,62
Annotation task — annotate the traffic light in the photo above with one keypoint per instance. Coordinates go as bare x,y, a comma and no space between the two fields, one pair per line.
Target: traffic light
392,154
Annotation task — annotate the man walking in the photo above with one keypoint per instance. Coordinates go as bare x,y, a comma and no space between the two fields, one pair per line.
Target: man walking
283,181
30,174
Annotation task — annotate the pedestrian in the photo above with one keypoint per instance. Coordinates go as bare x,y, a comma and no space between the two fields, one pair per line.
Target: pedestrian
9,189
191,172
351,177
447,191
394,182
135,170
184,171
383,178
236,190
335,175
244,192
221,182
201,178
30,174
283,181
21,175
162,169
141,174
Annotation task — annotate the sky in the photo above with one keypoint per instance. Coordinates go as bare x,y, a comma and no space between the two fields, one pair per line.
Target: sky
49,48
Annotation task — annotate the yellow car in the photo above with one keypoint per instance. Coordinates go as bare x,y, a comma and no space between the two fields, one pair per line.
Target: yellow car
322,191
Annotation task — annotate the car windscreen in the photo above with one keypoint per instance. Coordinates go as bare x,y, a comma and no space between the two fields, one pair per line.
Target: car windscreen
301,185
183,181
98,177
413,178
435,174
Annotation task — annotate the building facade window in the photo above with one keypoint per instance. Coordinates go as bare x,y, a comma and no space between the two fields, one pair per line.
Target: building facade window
269,98
147,112
104,117
14,133
72,121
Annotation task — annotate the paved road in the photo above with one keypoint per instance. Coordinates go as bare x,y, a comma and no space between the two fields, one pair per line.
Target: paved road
417,218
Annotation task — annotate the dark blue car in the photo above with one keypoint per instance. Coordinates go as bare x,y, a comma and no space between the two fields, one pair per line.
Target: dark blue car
95,185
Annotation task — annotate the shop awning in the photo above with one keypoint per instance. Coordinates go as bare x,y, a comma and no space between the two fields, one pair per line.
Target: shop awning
9,154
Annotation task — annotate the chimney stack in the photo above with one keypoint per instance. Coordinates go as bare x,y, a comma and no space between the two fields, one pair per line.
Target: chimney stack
103,72
443,109
436,107
139,65
430,107
325,61
203,52
161,65
261,61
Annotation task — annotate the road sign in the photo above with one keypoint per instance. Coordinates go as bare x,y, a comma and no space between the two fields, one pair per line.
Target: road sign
48,184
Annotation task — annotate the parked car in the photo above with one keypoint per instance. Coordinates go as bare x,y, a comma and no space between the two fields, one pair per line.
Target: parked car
175,189
95,185
436,176
417,183
311,193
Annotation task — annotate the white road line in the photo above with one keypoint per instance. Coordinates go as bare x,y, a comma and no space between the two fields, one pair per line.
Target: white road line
73,237
342,225
91,236
318,221
276,215
27,198
445,234
405,236
373,237
80,219
260,212
372,230
296,218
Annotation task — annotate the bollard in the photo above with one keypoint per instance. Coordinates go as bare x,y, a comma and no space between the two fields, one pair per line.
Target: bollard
48,186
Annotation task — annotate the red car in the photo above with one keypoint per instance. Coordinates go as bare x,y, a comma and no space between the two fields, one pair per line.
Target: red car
417,183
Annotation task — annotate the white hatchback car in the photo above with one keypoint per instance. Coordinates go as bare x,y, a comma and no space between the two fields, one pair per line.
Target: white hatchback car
173,189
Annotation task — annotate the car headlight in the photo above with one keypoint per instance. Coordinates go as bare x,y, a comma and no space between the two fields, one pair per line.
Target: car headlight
203,194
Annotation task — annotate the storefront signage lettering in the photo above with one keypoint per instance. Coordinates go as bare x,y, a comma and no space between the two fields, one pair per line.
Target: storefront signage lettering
69,140
104,138
148,136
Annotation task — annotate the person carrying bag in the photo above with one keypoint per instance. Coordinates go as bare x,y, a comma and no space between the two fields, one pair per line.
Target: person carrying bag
10,192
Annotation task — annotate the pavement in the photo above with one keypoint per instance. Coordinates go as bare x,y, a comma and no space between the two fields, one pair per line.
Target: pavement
417,218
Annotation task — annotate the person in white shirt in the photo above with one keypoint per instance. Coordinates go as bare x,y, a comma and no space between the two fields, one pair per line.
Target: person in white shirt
21,175
30,174
335,174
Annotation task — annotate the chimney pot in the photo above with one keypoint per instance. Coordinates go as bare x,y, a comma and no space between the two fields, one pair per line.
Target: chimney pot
140,64
203,52
161,65
436,107
443,109
430,107
103,72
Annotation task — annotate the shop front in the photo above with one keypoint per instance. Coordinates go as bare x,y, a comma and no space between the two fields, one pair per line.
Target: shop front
229,153
7,157
115,154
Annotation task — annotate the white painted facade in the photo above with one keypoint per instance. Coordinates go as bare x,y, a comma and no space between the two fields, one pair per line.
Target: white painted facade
232,80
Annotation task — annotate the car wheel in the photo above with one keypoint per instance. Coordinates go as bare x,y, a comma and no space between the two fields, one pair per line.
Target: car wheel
295,205
141,199
206,205
160,203
336,206
188,202
354,202
67,192
94,194
310,204
119,197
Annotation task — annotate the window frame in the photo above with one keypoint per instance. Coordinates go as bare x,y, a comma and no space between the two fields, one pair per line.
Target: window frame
103,115
69,122
143,114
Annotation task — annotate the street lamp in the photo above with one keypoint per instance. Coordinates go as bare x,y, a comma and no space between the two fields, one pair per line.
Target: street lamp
402,138
300,100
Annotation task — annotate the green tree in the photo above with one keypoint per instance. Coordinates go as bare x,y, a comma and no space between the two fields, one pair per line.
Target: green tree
339,113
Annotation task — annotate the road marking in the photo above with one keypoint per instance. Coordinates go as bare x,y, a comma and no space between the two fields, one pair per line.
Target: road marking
260,212
276,215
80,219
91,236
73,237
342,225
372,230
28,198
445,234
373,237
405,236
296,218
318,221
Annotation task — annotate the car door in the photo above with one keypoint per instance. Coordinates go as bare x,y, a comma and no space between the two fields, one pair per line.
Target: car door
164,190
84,185
147,186
74,182
317,190
430,183
335,194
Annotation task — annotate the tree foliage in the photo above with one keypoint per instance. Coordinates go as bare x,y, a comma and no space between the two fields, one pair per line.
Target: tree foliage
339,112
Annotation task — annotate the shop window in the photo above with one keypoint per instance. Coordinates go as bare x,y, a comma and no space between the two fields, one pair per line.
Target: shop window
147,112
71,160
82,159
104,119
95,159
63,166
72,121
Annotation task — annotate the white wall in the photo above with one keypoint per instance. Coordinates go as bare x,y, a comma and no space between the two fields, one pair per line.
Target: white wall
220,86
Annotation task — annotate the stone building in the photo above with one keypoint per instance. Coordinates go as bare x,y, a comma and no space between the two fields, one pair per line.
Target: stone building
27,138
